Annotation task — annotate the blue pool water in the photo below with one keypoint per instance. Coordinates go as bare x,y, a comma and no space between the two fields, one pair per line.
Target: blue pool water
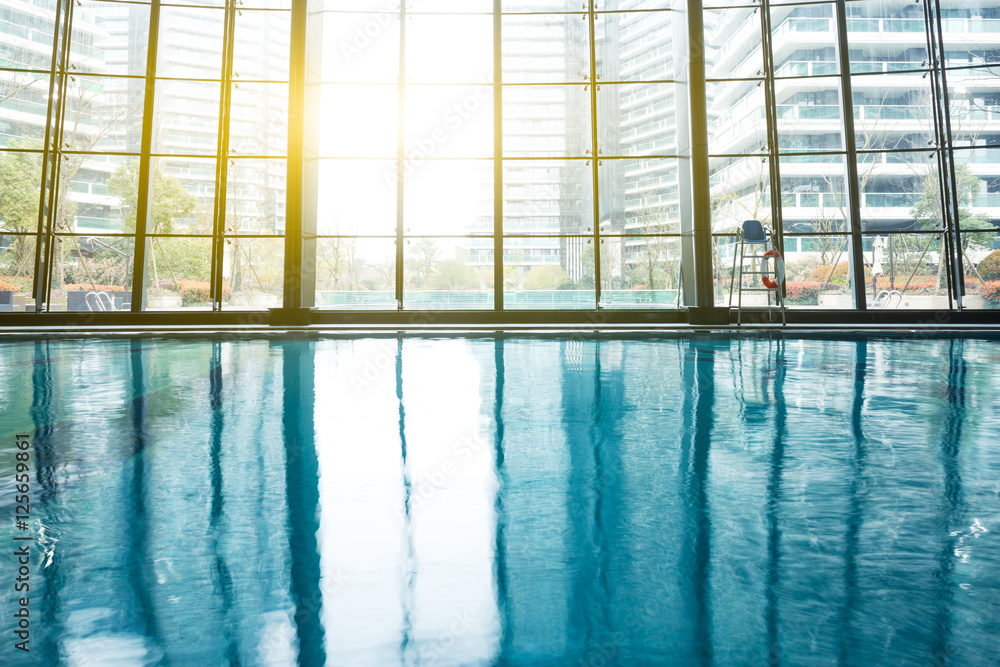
509,501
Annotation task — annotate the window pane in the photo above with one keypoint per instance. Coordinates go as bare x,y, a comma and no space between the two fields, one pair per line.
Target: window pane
448,121
813,197
24,30
892,111
178,274
733,43
546,121
974,105
982,269
258,119
485,6
971,29
92,273
255,197
110,38
20,184
640,271
444,274
547,197
356,5
738,124
626,5
254,271
24,102
104,114
358,121
356,274
357,197
190,43
184,194
808,115
93,194
886,36
540,6
432,43
261,46
635,46
637,119
361,48
552,48
448,198
186,118
641,195
899,191
804,40
816,272
976,172
740,191
906,271
17,264
549,273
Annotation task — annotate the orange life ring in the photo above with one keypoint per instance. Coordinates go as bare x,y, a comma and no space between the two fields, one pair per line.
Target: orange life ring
779,270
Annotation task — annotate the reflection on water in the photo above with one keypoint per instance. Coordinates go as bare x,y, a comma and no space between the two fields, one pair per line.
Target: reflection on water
507,501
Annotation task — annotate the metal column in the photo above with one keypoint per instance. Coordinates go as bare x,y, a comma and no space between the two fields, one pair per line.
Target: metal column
856,257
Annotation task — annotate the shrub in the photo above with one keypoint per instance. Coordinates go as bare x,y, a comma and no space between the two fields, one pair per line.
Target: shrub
19,283
801,270
914,286
989,268
7,287
820,274
990,290
803,293
195,292
88,287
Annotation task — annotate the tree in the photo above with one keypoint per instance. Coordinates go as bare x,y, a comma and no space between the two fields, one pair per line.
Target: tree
170,200
20,179
545,276
451,274
927,211
336,264
653,257
423,254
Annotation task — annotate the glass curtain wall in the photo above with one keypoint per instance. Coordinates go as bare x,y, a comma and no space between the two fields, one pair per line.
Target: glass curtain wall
495,154
153,121
914,114
497,144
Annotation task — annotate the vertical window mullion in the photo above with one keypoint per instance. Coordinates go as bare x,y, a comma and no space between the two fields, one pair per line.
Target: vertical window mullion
400,125
497,156
594,154
773,138
222,158
51,157
856,256
947,181
144,198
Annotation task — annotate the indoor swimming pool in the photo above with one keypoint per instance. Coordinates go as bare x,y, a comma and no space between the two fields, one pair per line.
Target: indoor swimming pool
504,500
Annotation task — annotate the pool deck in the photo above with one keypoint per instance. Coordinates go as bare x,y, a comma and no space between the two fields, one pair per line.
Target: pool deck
908,330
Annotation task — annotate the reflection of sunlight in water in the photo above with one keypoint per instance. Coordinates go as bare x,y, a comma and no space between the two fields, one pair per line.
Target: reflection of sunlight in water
421,578
963,550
